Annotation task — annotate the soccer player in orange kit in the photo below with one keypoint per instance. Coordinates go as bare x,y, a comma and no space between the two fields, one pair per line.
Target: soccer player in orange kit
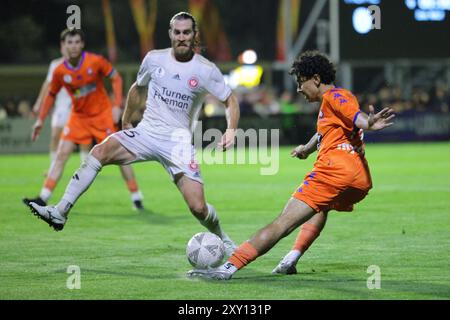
93,116
340,177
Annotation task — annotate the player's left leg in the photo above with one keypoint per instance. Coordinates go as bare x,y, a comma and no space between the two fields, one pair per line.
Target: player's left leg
330,194
295,213
193,194
60,117
136,195
54,142
309,232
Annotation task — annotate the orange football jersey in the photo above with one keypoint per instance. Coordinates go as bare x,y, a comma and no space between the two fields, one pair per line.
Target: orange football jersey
84,84
335,122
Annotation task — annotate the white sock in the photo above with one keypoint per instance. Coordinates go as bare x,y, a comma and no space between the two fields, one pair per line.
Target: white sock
211,222
136,196
80,182
45,194
83,155
293,255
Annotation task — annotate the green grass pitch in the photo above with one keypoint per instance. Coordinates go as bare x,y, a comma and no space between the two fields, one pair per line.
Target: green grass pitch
403,227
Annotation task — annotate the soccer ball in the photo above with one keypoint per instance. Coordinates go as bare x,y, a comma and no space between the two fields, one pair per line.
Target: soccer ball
204,250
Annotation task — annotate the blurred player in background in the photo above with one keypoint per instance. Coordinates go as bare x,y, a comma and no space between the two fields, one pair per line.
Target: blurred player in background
61,111
340,177
93,117
175,81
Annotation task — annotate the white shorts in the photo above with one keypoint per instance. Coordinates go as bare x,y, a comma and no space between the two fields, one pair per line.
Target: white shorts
60,115
175,156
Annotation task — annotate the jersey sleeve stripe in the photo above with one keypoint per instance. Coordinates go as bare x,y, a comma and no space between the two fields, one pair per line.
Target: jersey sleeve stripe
356,116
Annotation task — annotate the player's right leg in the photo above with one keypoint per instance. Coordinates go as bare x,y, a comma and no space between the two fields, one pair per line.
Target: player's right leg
193,193
326,192
54,142
110,151
60,117
309,232
295,213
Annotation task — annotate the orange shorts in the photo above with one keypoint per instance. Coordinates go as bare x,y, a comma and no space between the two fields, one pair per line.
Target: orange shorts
338,181
82,130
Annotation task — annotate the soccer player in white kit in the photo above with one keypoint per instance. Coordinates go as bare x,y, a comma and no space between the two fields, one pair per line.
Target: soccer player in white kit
61,112
175,81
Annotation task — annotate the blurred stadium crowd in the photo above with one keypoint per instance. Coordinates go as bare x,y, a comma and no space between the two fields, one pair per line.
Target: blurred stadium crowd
264,102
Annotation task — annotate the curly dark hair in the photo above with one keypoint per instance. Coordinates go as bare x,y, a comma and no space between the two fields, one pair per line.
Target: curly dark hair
310,63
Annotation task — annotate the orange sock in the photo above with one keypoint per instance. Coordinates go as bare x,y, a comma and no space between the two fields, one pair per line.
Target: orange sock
308,233
132,186
243,255
50,184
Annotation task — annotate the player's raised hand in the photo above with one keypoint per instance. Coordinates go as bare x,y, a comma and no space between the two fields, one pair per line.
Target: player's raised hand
37,127
381,119
300,152
227,139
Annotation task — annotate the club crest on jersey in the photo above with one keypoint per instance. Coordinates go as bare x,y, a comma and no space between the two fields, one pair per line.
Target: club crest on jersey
193,82
67,78
160,72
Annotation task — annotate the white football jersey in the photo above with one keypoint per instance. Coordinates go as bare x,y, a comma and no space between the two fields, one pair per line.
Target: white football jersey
62,99
176,91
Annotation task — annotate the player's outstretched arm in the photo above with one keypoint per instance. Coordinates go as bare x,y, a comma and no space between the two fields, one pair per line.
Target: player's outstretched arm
375,121
46,106
232,114
53,88
42,93
304,150
135,99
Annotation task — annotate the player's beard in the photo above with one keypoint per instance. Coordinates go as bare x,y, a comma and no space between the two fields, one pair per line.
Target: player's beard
184,52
